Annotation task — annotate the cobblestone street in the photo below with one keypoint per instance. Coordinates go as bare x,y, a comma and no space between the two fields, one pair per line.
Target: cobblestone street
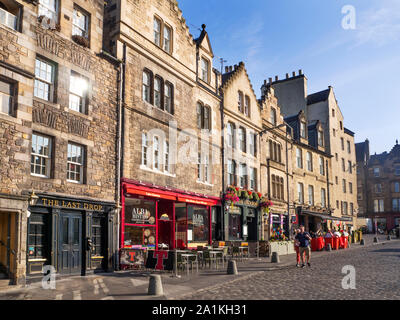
376,265
377,277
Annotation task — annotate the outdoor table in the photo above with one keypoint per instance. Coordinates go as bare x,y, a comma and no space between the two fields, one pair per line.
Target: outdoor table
241,249
215,253
187,257
329,241
335,243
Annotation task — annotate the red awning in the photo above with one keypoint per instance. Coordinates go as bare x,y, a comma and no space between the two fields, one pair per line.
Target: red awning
197,200
149,192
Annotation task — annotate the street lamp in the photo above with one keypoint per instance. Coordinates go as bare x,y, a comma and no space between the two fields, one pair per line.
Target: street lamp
33,199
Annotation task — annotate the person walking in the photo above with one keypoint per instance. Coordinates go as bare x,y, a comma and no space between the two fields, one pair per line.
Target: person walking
304,246
297,247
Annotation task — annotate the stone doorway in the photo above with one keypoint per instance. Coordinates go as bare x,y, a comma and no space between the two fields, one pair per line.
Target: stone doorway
8,241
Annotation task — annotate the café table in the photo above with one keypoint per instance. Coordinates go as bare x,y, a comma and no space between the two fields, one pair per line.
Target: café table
215,254
187,257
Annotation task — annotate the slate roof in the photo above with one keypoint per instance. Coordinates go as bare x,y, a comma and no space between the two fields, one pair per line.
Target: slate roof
318,97
361,150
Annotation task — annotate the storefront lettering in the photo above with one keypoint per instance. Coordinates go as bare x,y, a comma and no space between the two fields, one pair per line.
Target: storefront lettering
198,219
71,204
140,214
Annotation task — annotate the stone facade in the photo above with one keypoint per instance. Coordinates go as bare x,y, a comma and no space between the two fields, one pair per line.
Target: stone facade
50,116
379,186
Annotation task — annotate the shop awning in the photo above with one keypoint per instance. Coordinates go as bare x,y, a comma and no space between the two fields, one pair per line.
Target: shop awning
326,216
149,192
197,200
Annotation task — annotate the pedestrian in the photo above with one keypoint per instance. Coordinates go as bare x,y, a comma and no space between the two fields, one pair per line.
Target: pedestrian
296,247
304,247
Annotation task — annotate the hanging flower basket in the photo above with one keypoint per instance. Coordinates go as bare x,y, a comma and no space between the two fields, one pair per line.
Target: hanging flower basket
244,195
231,197
265,205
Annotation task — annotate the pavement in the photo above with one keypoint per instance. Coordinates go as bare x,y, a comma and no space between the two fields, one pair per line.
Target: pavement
376,266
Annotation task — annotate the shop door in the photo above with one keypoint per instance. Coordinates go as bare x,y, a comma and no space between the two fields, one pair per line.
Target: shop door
70,243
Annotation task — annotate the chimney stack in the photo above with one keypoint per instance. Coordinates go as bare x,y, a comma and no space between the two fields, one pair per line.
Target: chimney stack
230,68
270,80
294,73
276,78
236,66
300,72
226,69
287,75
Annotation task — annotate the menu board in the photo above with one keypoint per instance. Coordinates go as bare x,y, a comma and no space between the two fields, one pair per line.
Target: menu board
138,211
132,257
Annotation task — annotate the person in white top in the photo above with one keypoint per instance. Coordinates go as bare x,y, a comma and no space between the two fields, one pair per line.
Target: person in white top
337,233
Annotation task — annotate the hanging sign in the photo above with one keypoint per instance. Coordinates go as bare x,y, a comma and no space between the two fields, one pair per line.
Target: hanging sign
160,260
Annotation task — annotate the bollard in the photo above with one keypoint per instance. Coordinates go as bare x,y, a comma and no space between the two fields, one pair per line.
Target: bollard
232,269
362,242
376,240
155,285
275,257
388,237
329,247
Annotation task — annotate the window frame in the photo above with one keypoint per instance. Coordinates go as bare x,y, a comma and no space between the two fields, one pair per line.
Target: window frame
48,9
84,99
82,166
51,84
77,8
205,72
242,139
48,157
13,95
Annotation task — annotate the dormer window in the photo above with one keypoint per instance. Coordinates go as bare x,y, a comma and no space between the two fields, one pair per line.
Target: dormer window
303,129
247,106
320,138
205,65
273,116
10,13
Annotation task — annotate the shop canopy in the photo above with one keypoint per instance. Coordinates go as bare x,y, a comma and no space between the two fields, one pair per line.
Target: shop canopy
326,216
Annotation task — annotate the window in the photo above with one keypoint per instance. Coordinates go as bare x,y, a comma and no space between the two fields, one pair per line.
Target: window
253,178
336,157
157,31
168,98
277,187
166,157
397,170
334,132
321,166
240,101
350,167
41,155
396,187
336,180
344,185
345,211
231,135
300,192
303,129
145,147
275,151
348,146
156,153
44,79
333,112
379,205
320,138
343,165
207,173
37,236
203,117
96,236
146,88
78,88
351,212
7,99
376,172
167,39
309,161
231,172
395,204
75,163
351,188
273,116
80,23
203,167
247,106
157,92
311,195
253,144
9,16
243,175
342,143
242,139
323,198
299,158
204,70
341,126
48,8
378,188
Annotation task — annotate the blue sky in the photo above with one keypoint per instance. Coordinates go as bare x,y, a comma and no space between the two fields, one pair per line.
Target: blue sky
276,37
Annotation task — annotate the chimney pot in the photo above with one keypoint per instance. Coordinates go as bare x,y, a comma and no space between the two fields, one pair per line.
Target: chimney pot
300,72
276,78
235,66
270,80
230,68
287,75
294,73
226,69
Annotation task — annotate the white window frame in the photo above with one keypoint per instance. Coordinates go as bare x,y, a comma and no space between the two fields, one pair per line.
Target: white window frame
299,158
311,195
79,164
45,158
321,166
146,87
309,161
156,153
78,29
7,98
167,166
323,197
300,192
167,40
242,175
205,65
47,81
145,149
157,92
45,9
77,83
157,31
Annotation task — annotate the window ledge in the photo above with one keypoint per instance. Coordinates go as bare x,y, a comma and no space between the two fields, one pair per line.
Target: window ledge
205,183
74,182
143,167
10,118
47,102
79,114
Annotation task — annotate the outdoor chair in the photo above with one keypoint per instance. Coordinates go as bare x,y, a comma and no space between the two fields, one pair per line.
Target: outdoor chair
207,258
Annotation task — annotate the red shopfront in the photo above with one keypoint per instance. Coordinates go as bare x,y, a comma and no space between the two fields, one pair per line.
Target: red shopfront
158,218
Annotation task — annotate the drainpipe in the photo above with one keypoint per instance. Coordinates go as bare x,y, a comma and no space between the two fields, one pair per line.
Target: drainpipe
223,165
287,184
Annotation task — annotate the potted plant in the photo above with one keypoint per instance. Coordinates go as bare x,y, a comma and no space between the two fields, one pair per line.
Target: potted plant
231,196
265,205
81,40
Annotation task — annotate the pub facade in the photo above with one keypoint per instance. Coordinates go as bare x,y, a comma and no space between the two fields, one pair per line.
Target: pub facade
58,124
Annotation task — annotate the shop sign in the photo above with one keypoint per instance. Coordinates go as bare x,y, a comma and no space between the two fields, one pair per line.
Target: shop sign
132,257
139,212
234,210
198,219
70,204
160,260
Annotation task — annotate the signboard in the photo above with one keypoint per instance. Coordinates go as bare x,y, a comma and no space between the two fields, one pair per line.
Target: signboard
245,230
132,257
160,260
138,211
57,203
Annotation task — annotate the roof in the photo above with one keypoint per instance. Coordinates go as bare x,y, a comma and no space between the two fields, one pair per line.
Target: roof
318,96
349,132
361,151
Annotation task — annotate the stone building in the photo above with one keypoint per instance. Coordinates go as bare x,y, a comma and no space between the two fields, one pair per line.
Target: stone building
171,171
339,141
57,134
379,193
276,152
242,125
